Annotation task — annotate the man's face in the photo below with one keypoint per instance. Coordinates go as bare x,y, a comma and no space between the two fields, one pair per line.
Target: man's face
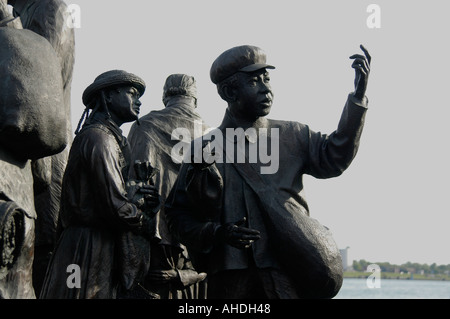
125,104
254,95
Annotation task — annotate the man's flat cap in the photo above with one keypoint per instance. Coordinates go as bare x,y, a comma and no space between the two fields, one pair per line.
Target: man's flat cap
244,58
111,79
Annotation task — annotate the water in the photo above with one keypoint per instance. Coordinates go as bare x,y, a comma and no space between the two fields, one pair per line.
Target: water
354,288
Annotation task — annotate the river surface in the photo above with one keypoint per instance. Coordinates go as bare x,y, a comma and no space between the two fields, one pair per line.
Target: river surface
354,288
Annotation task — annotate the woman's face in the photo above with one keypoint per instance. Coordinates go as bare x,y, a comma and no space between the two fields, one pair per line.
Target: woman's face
124,104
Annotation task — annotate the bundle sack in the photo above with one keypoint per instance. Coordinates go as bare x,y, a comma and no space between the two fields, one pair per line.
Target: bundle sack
307,251
32,114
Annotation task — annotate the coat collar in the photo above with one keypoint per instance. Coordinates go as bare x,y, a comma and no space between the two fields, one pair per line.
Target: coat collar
181,101
229,121
250,131
100,118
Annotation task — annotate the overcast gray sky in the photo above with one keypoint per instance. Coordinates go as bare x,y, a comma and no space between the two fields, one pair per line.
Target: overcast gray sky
392,203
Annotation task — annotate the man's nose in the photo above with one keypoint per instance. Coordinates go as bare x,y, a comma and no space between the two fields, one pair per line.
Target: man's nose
138,103
265,87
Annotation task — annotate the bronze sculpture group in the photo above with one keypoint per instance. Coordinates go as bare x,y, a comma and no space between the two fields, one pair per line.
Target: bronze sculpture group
137,221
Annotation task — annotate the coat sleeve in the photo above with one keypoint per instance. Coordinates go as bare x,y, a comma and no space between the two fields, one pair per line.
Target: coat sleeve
102,156
330,155
185,216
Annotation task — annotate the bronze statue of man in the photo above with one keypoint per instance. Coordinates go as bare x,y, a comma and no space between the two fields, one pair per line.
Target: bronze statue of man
246,224
95,207
171,275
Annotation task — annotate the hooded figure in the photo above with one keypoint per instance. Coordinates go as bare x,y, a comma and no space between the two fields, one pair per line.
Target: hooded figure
171,274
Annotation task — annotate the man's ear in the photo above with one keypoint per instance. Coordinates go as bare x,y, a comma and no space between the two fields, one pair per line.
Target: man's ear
230,93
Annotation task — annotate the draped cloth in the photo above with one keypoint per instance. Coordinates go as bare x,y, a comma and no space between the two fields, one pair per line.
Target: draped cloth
153,140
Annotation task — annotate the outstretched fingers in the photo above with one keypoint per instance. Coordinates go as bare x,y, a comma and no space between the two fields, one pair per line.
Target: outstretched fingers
366,53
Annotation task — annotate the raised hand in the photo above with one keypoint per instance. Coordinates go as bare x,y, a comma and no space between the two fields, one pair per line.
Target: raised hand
361,64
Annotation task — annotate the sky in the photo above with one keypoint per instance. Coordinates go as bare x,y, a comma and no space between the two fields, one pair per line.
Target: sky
391,204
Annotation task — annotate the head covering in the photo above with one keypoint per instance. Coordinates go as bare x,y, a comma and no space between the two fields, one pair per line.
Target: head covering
179,84
109,79
245,58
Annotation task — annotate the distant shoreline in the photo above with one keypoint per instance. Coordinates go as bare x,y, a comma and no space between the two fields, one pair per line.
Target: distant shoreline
399,276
